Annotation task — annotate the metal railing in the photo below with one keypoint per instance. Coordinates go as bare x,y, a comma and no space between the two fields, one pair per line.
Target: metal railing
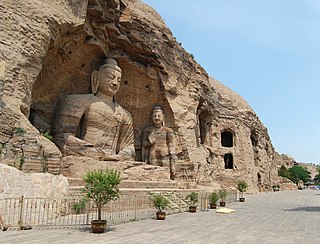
23,213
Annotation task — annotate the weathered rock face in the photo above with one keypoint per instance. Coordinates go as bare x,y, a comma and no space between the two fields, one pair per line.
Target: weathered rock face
50,49
14,184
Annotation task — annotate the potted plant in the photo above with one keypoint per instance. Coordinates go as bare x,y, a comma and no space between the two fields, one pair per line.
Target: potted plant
193,198
213,198
223,193
102,187
242,187
160,202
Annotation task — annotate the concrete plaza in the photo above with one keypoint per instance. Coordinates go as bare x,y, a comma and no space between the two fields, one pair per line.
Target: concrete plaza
278,217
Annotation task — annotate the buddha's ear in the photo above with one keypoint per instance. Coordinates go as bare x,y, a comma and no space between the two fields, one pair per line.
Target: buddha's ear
95,81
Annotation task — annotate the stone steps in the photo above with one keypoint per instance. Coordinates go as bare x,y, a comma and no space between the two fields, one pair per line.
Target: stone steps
170,189
177,202
133,184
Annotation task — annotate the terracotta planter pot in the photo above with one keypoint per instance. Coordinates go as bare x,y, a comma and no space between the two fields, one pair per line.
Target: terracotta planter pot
160,215
213,205
98,226
222,204
241,199
192,209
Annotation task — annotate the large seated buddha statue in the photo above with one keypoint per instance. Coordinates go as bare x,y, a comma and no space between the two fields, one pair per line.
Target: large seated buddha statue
94,125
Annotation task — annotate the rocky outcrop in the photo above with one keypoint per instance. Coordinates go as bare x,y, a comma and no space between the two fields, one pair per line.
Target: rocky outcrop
50,49
14,184
286,184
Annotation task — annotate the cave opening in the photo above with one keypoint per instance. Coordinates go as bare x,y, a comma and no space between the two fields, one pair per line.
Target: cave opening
228,161
227,139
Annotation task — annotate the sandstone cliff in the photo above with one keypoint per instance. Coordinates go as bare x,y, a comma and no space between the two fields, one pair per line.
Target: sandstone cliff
50,48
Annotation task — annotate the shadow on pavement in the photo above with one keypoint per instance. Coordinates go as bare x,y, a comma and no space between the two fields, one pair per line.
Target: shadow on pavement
307,209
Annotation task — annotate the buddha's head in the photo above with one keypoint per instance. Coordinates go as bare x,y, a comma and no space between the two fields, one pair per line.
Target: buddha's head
106,80
157,116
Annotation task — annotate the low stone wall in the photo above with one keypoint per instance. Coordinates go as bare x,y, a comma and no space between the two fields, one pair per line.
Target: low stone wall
14,183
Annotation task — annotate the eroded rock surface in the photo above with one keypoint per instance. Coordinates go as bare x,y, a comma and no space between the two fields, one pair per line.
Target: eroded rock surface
50,48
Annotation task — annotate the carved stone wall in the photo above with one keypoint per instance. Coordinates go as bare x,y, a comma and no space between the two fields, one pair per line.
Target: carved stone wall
50,49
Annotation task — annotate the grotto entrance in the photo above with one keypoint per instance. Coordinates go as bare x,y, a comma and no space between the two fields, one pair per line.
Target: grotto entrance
227,139
228,161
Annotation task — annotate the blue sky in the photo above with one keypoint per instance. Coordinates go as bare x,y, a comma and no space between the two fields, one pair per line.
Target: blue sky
268,51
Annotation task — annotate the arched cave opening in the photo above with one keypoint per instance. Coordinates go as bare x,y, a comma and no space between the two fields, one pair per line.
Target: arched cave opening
228,161
141,89
227,139
66,69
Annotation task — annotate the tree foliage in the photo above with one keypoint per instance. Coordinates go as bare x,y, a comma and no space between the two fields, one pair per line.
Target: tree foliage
317,176
160,202
223,193
242,185
317,179
295,173
193,198
284,172
102,187
213,197
299,173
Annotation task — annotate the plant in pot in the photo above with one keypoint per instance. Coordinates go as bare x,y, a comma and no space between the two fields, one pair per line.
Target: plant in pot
160,202
242,187
102,186
213,198
193,198
223,193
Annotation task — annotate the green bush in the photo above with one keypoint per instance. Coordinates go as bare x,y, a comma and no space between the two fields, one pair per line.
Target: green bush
242,186
160,202
78,207
213,197
299,173
295,173
19,131
223,193
47,135
193,198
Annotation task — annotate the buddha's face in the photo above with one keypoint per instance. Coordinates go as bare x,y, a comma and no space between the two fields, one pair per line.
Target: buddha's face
109,81
157,117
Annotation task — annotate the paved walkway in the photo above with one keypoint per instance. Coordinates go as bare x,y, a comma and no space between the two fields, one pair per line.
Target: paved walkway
279,217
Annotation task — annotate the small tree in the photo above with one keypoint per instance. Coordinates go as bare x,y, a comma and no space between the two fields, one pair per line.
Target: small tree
213,198
160,202
193,197
283,171
298,173
102,187
242,186
223,193
295,173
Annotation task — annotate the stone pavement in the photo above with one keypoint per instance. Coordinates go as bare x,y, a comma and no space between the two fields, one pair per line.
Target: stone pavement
278,217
